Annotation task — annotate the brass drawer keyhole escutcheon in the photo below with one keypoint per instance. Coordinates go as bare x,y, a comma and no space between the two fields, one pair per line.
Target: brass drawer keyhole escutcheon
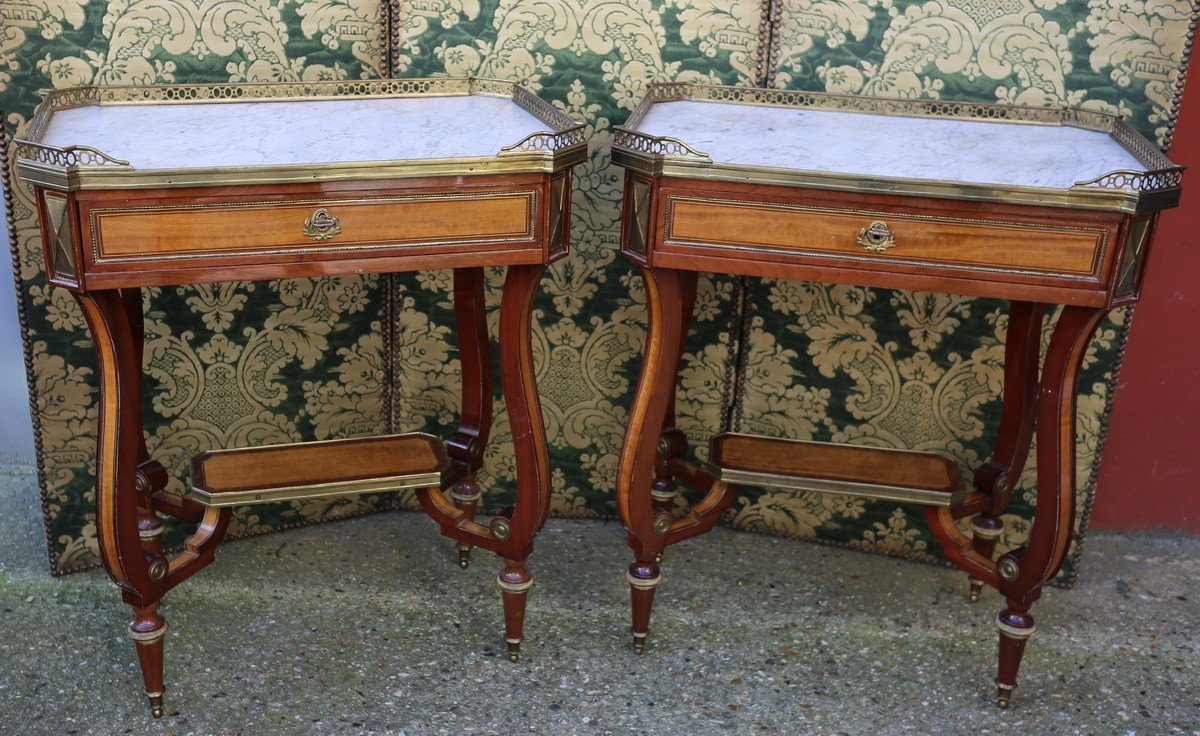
877,237
321,226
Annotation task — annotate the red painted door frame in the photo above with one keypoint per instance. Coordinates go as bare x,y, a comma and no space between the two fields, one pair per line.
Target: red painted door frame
1150,472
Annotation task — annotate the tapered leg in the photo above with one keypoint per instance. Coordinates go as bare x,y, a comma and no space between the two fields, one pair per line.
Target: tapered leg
148,631
1015,628
646,524
515,582
643,579
467,444
999,474
132,560
528,514
1024,571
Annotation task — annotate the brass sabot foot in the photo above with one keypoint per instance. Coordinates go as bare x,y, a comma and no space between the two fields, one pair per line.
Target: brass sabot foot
976,590
156,704
514,651
464,557
639,643
1004,695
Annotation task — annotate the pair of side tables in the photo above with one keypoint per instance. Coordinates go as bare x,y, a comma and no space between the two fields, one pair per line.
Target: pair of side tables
188,184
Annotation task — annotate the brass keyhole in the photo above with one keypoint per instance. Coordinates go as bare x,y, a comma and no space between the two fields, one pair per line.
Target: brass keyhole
877,237
321,226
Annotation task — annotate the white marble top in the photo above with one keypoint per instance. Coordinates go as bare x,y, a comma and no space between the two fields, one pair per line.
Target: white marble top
829,141
227,134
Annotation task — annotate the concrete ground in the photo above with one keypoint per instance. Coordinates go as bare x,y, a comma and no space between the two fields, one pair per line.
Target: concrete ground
369,627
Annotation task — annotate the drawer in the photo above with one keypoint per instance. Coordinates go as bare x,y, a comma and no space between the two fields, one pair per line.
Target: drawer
212,230
879,239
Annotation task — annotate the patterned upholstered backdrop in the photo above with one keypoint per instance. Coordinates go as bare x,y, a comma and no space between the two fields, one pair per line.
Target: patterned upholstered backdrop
235,364
273,361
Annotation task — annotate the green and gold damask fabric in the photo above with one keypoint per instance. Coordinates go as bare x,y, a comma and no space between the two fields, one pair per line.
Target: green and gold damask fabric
593,60
227,365
253,363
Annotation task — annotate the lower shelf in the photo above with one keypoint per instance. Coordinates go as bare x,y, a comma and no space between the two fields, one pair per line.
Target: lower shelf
892,475
317,469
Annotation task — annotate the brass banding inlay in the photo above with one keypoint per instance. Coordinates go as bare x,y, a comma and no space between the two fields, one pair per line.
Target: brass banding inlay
984,532
147,637
878,491
514,587
269,228
654,155
304,470
1013,631
561,145
663,496
643,583
465,497
225,499
952,243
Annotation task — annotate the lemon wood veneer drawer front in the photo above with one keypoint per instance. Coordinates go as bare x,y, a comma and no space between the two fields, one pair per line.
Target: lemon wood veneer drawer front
214,230
883,238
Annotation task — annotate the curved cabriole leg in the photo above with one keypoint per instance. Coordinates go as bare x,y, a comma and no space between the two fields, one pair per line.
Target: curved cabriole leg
647,525
672,443
999,474
1023,572
119,520
467,444
532,504
150,477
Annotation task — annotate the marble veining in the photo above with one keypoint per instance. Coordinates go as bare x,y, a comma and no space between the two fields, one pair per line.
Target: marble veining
977,152
235,134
